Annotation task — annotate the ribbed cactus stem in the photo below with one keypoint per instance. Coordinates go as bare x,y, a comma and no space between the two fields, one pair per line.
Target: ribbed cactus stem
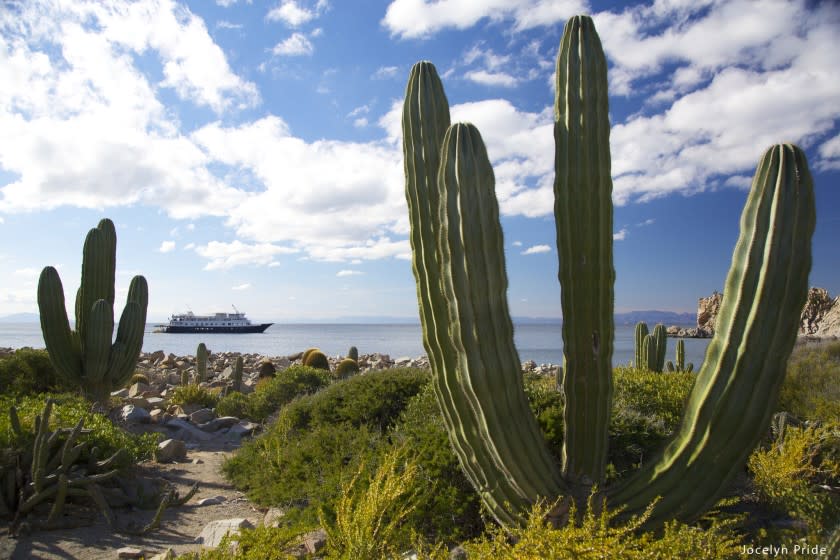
353,354
680,355
766,289
87,357
583,214
661,338
649,352
237,374
641,332
201,363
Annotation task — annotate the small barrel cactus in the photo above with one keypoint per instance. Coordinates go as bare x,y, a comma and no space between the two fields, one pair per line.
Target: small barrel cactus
346,367
317,359
353,353
307,352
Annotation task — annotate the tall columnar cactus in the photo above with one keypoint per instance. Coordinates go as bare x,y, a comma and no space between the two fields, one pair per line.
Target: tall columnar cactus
458,262
86,356
237,374
201,363
680,359
649,353
661,338
640,334
353,354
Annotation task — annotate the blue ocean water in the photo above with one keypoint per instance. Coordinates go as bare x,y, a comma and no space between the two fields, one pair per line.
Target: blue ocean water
541,342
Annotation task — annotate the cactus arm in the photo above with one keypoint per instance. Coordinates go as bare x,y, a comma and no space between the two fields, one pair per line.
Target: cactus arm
680,355
493,416
649,352
100,328
766,289
62,343
583,214
639,339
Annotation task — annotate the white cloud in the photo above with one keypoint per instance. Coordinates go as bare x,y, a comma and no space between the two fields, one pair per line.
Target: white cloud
829,155
224,255
422,18
536,249
241,287
517,244
290,13
385,72
620,235
189,246
295,45
491,78
27,272
167,246
229,3
360,122
648,222
342,273
361,110
224,24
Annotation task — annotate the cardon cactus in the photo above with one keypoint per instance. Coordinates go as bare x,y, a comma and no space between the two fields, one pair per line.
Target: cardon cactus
661,338
236,378
353,354
346,367
317,359
680,359
639,338
86,356
459,267
650,353
201,363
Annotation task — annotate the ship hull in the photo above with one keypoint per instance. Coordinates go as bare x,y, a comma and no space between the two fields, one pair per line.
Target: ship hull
239,329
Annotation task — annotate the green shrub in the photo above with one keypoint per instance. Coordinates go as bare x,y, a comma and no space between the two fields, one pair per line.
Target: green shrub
376,398
66,412
193,394
811,389
789,475
272,393
29,372
448,508
368,518
233,404
259,543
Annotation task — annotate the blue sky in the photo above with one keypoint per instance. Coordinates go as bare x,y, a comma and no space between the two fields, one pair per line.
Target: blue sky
249,152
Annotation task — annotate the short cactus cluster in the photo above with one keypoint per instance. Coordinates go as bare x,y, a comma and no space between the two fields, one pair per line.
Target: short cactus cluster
680,366
88,356
459,266
650,348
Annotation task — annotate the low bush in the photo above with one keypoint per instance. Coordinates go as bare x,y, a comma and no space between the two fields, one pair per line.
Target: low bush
811,390
104,436
29,372
194,394
286,385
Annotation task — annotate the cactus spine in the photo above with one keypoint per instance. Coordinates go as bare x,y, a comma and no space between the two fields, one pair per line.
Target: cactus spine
639,360
86,356
458,262
200,363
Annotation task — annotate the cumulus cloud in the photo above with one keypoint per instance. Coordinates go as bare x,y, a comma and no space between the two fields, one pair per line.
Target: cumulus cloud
290,13
167,246
342,273
223,255
620,235
295,45
486,78
536,249
385,72
422,18
241,287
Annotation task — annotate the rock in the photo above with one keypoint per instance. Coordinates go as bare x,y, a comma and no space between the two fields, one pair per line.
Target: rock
829,326
135,414
202,416
315,541
156,356
156,415
219,423
243,429
214,501
167,554
122,393
213,532
273,517
707,310
171,450
129,552
186,431
816,306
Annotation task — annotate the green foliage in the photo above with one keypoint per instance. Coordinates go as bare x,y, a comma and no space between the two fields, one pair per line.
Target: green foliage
299,461
368,518
90,357
345,367
317,359
600,535
103,436
281,389
29,371
193,394
259,543
811,390
234,404
790,475
448,508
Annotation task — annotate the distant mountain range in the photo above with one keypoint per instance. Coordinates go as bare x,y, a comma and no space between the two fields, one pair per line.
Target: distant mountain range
651,317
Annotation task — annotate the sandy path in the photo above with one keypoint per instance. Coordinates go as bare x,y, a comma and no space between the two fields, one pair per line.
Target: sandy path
178,529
